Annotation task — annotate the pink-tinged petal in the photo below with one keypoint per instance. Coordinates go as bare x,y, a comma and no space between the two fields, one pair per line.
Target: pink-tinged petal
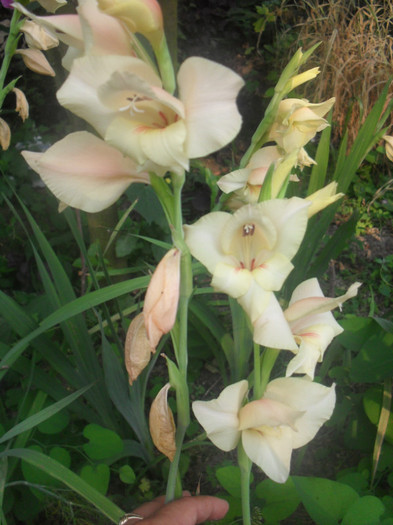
308,299
271,328
103,34
208,91
270,449
267,412
272,273
84,172
232,281
315,400
204,239
219,417
162,297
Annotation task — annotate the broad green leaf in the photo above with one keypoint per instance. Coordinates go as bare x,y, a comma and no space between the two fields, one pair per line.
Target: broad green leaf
319,170
374,362
103,442
97,476
58,471
55,423
229,479
365,511
326,501
280,499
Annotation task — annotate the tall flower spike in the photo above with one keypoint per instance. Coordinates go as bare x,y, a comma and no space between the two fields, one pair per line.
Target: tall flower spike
288,416
162,297
312,324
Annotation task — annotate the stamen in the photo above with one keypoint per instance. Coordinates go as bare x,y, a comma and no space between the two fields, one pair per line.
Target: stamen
248,229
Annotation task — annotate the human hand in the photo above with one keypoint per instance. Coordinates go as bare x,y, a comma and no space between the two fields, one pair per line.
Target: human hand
188,510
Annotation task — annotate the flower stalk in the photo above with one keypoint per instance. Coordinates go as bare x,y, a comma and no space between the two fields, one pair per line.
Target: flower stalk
245,476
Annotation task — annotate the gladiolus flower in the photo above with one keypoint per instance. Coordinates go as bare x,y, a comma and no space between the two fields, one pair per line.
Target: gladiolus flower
35,60
246,183
288,416
162,425
297,122
123,99
249,255
5,135
162,297
84,172
137,349
312,324
322,198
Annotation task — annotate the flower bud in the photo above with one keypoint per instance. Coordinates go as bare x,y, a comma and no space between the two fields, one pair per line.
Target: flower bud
322,198
35,60
162,425
5,134
37,37
388,146
140,16
137,349
22,106
162,297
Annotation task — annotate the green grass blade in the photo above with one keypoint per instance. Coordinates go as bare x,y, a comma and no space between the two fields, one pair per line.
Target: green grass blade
319,170
71,309
41,416
74,482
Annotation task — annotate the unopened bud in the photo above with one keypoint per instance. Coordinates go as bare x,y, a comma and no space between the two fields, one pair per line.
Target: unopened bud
137,349
5,134
162,297
162,425
35,60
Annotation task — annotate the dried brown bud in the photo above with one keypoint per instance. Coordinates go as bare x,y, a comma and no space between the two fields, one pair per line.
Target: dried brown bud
22,106
162,425
5,134
37,36
137,349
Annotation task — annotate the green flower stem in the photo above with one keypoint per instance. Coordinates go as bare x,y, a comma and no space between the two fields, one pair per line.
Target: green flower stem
268,359
180,339
245,473
257,372
10,47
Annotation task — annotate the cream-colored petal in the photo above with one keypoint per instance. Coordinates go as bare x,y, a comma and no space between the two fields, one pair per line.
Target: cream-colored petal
85,172
305,361
204,239
315,400
272,273
234,181
52,5
208,91
271,328
219,417
322,198
308,299
255,301
231,280
271,450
